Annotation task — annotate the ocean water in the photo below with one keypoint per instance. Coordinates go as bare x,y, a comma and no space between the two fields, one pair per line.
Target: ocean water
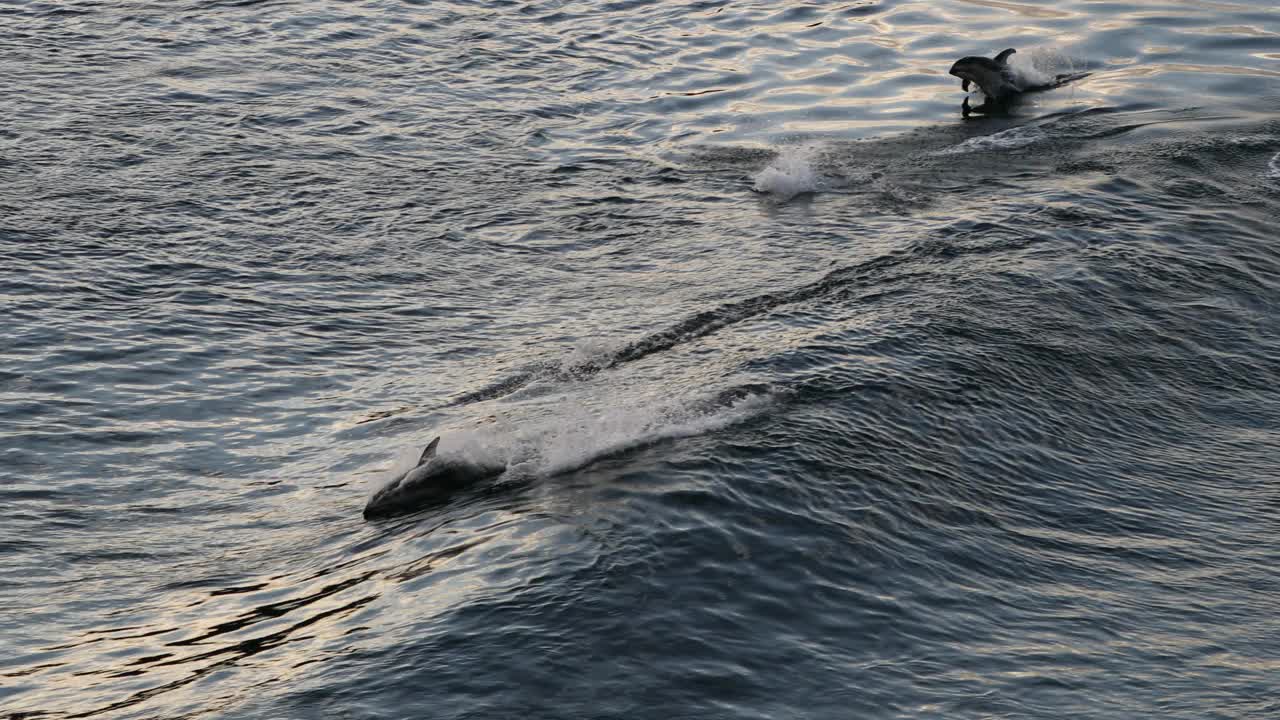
816,400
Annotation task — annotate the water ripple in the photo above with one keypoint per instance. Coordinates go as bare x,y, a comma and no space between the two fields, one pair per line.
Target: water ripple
816,398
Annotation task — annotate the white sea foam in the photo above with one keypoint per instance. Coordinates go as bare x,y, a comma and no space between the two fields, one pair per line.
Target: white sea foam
1004,140
791,173
577,437
1040,65
572,435
1273,167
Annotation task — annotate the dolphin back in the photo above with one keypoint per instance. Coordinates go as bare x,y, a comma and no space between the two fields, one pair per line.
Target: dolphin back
429,451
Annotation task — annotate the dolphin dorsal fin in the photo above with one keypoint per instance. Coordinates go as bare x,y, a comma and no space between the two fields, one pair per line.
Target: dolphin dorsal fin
429,452
1003,57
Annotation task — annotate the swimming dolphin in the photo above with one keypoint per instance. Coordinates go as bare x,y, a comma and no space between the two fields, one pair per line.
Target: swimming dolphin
998,82
433,479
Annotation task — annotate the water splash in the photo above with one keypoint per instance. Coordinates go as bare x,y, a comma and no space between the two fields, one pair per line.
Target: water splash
791,173
1041,65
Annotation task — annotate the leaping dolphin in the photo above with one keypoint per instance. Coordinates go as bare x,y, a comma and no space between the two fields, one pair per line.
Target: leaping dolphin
432,480
998,82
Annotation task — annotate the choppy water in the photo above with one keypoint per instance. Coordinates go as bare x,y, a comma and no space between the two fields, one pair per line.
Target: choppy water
817,401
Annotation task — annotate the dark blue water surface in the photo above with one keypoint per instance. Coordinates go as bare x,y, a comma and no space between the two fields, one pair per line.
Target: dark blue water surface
816,400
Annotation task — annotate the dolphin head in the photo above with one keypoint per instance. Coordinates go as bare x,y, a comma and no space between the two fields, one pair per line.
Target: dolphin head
990,75
431,481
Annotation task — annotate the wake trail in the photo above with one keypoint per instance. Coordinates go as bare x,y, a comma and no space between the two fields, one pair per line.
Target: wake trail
700,325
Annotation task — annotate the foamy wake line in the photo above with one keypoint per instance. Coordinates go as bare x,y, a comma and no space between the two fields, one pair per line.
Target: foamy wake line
1273,167
573,440
1010,139
573,435
791,173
